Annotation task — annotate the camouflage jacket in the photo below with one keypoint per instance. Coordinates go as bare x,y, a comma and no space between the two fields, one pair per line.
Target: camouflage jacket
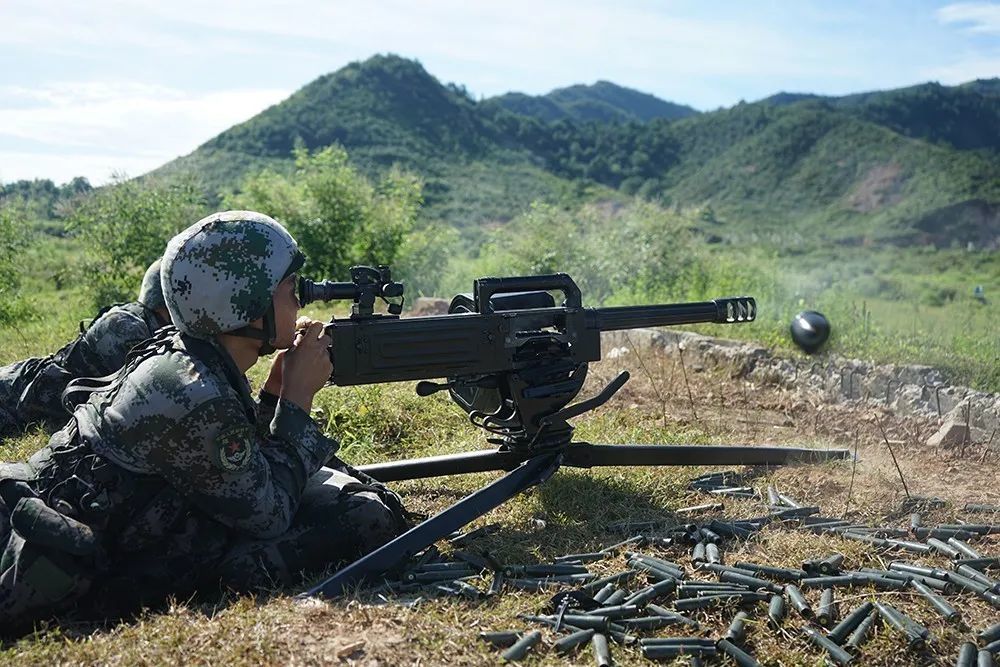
185,416
31,390
142,492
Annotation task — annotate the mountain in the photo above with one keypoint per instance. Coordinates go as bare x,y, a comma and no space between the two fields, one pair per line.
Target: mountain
914,165
600,102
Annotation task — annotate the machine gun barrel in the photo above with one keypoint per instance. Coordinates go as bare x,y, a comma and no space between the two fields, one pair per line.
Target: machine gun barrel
720,311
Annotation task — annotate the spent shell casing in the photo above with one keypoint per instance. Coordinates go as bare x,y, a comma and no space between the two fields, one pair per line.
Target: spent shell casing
710,535
602,652
826,613
990,634
440,567
705,601
653,570
940,606
847,625
795,512
831,564
737,628
981,508
976,575
965,551
968,584
967,655
932,572
543,570
772,496
571,641
916,521
991,598
497,584
674,641
660,651
752,582
827,582
798,600
648,593
836,653
501,639
992,647
590,557
617,597
877,580
940,534
615,612
895,618
698,553
597,584
602,595
779,573
942,548
787,500
776,610
981,564
977,528
912,547
739,656
861,633
659,562
712,554
666,613
435,577
522,646
707,507
649,622
985,659
634,541
719,568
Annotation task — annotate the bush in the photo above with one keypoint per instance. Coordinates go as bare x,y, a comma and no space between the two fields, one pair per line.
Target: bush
14,238
338,217
125,226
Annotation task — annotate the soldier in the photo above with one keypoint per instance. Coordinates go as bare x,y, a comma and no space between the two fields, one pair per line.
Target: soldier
31,390
171,477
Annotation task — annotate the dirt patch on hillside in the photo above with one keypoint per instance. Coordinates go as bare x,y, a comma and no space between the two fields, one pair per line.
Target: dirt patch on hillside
879,188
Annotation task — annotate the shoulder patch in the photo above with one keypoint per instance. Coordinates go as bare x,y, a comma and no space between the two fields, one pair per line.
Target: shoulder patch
234,447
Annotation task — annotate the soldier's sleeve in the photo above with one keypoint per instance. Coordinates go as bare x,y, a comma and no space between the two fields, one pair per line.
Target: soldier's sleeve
216,458
266,405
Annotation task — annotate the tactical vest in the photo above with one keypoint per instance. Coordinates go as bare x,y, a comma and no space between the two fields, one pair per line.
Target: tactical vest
89,520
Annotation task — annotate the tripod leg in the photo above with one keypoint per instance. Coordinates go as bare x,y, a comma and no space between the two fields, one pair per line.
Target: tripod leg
585,455
531,472
446,464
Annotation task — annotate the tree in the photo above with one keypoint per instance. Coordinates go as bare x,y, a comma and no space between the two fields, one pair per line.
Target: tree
125,226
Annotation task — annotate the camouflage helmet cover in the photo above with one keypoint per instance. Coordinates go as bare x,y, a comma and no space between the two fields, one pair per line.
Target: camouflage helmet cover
151,292
218,275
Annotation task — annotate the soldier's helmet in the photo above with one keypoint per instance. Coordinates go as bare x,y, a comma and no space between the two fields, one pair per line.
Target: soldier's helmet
151,292
219,274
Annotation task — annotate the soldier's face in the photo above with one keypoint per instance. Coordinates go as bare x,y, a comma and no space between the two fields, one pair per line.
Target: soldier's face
286,310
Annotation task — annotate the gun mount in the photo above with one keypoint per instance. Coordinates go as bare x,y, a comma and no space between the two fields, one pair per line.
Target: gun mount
514,360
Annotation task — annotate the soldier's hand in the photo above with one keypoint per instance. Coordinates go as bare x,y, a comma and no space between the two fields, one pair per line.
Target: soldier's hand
306,366
273,383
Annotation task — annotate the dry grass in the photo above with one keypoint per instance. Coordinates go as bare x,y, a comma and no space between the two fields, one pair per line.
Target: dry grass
572,512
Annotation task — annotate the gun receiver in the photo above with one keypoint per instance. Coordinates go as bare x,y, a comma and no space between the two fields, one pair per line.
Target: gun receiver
513,359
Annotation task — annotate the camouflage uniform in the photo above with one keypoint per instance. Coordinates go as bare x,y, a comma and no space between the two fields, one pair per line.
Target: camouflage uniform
172,478
31,390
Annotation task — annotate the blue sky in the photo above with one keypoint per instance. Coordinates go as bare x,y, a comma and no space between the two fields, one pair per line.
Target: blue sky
125,85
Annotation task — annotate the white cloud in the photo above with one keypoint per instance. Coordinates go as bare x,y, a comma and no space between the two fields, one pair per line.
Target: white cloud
104,126
982,17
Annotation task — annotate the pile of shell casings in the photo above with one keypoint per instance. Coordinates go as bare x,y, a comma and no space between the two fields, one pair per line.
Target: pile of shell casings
650,604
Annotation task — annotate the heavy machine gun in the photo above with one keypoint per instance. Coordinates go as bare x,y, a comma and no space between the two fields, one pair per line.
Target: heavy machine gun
513,359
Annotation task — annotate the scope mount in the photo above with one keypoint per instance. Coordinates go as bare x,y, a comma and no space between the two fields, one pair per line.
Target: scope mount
367,284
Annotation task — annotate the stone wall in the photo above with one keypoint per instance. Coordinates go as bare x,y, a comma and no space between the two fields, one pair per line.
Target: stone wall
904,389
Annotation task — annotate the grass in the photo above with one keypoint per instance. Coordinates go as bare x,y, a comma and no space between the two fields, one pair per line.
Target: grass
571,512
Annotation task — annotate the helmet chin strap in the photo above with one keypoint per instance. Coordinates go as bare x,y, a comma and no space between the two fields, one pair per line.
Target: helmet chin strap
266,335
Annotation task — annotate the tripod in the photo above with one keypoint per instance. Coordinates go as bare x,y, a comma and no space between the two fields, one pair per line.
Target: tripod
528,466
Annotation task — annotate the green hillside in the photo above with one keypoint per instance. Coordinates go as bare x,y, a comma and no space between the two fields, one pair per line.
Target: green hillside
603,102
912,166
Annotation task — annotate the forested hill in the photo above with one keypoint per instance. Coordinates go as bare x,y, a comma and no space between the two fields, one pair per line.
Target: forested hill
915,165
602,102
